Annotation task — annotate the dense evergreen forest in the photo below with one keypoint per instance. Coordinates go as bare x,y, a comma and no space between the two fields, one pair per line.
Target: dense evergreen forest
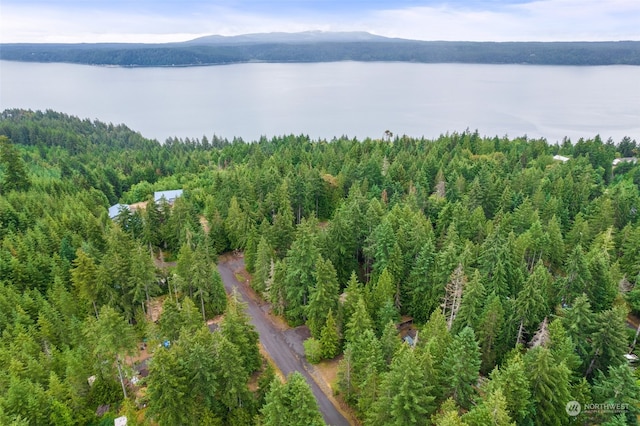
521,273
198,52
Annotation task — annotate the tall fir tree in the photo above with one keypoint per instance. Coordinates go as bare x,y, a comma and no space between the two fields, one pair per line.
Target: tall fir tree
461,366
291,403
549,387
405,397
323,296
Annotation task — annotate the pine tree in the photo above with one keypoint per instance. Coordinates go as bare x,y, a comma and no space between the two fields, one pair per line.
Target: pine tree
385,315
232,374
250,251
389,341
461,366
324,296
359,322
554,252
562,346
237,225
419,283
168,389
447,415
197,354
530,303
352,294
492,411
282,231
238,330
15,171
367,364
291,403
512,381
405,397
84,277
112,338
142,280
301,260
578,275
579,321
549,387
601,290
383,291
263,265
490,333
619,386
436,335
473,300
330,338
609,340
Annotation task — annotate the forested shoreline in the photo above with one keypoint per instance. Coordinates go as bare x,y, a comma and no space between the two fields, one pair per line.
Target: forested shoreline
389,50
518,269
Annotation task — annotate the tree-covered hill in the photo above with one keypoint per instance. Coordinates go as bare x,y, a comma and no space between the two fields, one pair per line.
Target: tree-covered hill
331,47
518,269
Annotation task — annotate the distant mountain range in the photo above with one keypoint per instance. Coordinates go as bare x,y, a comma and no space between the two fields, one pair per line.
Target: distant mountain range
319,46
296,38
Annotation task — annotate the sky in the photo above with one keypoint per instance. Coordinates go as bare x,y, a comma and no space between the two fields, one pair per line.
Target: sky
160,21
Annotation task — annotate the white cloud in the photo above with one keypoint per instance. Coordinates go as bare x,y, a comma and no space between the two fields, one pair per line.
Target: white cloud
538,20
544,20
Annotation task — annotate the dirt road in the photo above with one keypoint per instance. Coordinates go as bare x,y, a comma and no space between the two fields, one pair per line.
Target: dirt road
284,348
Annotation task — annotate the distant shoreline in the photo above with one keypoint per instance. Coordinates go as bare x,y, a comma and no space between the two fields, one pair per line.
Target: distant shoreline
264,49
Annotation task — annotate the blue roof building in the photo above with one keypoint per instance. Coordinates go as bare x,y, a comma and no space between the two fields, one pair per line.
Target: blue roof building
115,210
170,196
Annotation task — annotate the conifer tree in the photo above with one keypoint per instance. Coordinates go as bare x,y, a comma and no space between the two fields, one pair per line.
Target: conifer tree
419,283
330,338
238,330
619,386
323,296
473,300
405,397
263,265
490,333
389,341
579,321
84,277
512,381
578,275
601,290
549,387
250,250
492,411
15,175
291,403
436,335
353,293
359,322
142,279
609,340
112,338
461,366
530,303
301,260
167,389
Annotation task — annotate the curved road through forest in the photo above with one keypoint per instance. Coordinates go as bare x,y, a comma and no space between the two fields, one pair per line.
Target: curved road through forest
284,348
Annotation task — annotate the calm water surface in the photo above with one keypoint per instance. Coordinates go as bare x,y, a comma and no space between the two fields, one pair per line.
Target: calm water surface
333,99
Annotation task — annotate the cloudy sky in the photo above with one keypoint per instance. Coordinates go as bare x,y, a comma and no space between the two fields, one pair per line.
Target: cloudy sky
172,20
